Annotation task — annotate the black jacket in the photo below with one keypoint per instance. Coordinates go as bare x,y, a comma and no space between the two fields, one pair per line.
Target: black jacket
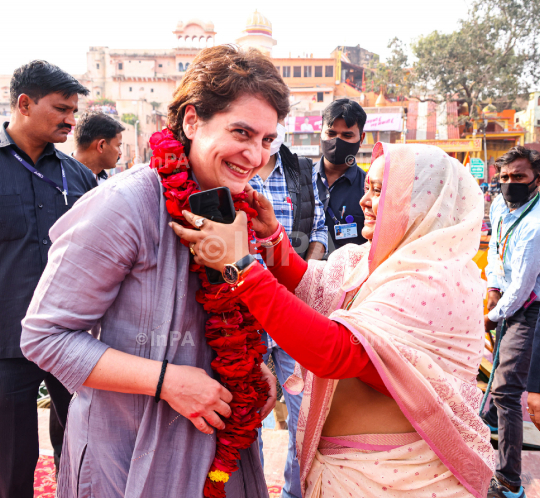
298,175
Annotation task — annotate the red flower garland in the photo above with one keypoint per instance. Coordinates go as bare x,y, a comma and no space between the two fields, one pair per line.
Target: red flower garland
231,331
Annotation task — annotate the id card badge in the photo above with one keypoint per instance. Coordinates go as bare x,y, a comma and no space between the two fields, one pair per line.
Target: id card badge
499,269
345,231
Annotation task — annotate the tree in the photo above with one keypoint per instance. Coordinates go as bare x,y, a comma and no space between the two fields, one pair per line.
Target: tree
494,54
129,118
394,75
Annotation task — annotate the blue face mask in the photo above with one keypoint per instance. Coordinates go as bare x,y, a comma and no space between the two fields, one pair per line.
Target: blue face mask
278,141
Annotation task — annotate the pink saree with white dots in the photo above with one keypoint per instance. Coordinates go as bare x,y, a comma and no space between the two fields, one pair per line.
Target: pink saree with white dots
419,316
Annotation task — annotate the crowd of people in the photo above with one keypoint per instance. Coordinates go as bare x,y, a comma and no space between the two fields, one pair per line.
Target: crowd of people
104,108
360,287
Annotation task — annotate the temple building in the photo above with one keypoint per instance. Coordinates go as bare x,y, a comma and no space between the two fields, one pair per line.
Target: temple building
258,34
136,85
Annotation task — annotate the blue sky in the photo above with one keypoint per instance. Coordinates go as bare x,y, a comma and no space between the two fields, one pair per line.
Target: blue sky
61,32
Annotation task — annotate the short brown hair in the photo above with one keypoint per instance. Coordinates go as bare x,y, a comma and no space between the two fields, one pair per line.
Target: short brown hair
518,152
220,75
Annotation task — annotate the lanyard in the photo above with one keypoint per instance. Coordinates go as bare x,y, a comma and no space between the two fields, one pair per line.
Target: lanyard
333,216
510,231
33,170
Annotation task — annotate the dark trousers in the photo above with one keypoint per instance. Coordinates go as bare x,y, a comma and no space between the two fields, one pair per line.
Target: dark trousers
19,446
509,383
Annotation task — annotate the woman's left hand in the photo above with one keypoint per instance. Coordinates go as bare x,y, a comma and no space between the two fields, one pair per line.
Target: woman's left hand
215,244
272,392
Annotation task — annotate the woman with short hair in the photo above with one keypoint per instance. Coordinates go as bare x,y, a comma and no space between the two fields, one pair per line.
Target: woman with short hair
116,268
389,334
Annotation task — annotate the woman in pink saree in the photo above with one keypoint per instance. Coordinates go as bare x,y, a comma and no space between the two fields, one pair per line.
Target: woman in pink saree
389,377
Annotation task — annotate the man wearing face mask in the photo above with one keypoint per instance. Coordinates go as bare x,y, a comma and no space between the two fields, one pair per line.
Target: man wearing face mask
513,274
289,182
339,180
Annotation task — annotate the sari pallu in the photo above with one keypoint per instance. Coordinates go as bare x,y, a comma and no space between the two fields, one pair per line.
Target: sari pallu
419,312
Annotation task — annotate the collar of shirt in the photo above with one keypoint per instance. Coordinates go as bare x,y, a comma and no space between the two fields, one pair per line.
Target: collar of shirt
350,174
516,213
278,167
102,175
6,140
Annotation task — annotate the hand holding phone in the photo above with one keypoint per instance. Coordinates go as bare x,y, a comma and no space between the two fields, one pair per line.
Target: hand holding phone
217,205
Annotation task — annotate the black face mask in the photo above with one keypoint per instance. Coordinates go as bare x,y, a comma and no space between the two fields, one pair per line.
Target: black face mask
517,194
338,151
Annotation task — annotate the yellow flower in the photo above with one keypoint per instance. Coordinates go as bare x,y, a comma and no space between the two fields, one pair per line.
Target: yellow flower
218,476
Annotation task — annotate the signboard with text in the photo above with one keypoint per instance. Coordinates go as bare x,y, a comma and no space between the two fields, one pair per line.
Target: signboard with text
375,122
384,122
477,167
455,145
305,150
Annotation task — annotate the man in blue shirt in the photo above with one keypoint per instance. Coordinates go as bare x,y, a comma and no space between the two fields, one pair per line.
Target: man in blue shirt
513,274
39,184
290,184
98,143
339,179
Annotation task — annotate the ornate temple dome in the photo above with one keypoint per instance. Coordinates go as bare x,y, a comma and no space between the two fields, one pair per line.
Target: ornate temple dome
258,24
381,101
490,108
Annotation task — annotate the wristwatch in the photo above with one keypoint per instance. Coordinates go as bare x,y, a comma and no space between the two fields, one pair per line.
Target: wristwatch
232,273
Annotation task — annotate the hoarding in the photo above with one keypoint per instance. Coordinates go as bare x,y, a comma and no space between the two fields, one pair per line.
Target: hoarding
384,122
304,124
305,150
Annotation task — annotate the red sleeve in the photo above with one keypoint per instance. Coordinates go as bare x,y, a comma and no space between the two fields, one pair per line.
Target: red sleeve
284,263
319,344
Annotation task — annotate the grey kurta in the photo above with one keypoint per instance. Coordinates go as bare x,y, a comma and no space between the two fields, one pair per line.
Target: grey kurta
117,269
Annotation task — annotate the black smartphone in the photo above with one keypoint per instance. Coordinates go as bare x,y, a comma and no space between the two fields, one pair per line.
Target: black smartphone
216,205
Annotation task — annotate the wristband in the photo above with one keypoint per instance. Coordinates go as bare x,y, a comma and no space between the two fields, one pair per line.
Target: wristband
494,289
160,381
272,237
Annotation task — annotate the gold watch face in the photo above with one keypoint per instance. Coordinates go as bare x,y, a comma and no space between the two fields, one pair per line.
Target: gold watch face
230,274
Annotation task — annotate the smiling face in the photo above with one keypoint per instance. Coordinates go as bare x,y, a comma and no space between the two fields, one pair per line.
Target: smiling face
230,148
370,202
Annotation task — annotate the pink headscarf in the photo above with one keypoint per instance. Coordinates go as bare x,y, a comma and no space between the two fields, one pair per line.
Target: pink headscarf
419,312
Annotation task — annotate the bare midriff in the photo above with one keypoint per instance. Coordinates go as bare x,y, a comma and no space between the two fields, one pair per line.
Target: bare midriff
359,409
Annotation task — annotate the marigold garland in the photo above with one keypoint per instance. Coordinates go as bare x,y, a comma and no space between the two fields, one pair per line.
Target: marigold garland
231,331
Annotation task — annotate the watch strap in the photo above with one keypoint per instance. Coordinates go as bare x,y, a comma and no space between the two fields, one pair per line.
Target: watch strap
244,262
